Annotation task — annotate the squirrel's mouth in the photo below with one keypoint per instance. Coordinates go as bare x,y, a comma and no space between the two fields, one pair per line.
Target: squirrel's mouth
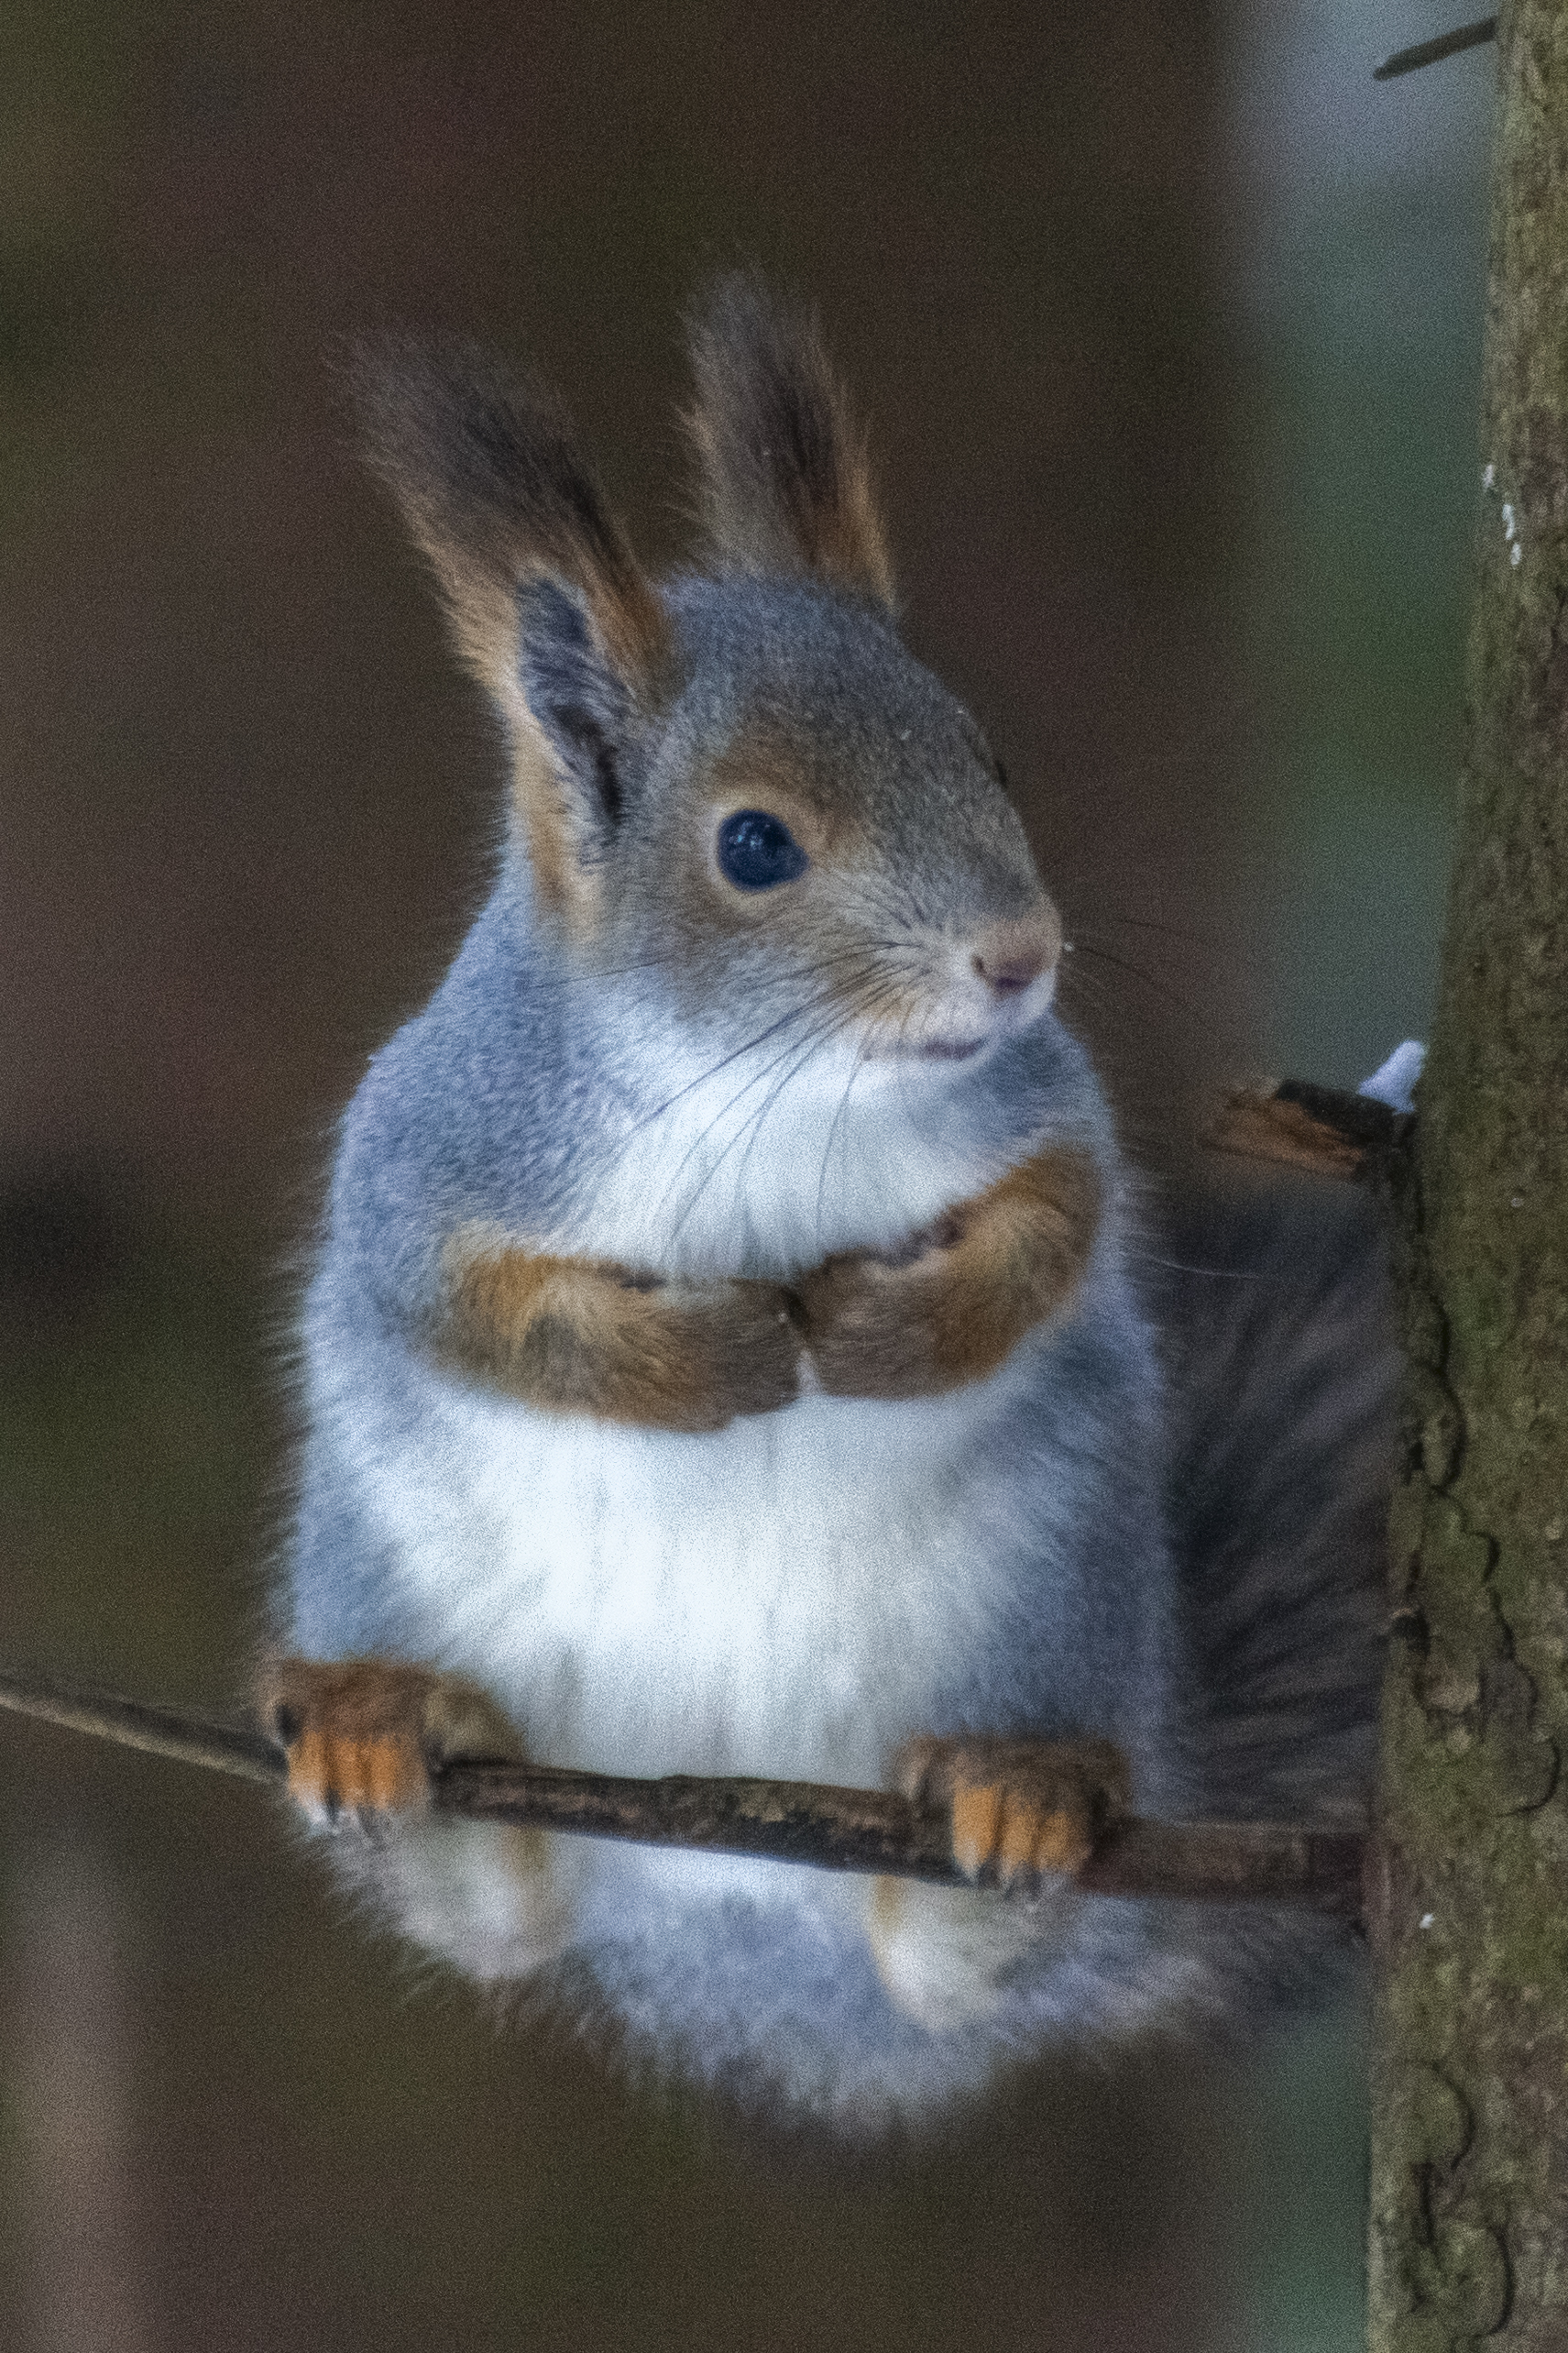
927,1050
948,1026
963,1003
946,1050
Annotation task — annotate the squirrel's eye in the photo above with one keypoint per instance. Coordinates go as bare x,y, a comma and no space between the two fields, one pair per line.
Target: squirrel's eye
757,852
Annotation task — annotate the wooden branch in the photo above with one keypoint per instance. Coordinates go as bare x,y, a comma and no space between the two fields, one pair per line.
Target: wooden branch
1321,1130
1406,60
133,1724
783,1821
814,1823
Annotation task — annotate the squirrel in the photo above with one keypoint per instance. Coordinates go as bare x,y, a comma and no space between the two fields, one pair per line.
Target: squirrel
736,1344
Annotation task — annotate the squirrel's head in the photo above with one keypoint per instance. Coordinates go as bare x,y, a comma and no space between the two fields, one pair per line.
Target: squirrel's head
740,788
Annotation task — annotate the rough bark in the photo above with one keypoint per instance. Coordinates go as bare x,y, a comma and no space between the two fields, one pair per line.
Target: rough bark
1469,2223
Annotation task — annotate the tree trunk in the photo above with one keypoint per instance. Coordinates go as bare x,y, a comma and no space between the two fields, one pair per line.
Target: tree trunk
1469,1883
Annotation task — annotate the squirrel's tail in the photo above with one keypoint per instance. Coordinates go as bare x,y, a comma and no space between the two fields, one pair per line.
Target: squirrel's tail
1283,1373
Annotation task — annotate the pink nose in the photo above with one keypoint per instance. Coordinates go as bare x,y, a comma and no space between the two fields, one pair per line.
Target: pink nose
1009,956
1008,974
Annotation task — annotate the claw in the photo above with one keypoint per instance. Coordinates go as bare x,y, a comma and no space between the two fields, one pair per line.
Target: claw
1019,1808
977,1822
362,1736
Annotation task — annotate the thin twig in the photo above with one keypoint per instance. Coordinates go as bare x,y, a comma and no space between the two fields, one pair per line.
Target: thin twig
784,1821
812,1822
133,1724
1406,60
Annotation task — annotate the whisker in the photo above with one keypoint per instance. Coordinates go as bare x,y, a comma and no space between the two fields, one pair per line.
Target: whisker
746,1047
750,1127
1122,964
797,1055
855,1069
759,1077
840,956
1181,931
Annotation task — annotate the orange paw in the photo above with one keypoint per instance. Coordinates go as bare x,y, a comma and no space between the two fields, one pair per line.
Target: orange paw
1019,1808
329,1774
363,1735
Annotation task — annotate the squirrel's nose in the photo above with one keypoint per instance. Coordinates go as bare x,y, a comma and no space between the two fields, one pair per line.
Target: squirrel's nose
1008,974
1009,956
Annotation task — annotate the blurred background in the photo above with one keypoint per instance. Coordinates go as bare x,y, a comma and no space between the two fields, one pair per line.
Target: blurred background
1166,322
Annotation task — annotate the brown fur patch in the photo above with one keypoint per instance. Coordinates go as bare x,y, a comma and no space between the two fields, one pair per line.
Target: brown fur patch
784,480
572,1336
888,1907
758,768
913,1324
976,1824
547,824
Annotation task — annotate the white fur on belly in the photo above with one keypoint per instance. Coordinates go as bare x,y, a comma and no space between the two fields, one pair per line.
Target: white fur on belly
779,1597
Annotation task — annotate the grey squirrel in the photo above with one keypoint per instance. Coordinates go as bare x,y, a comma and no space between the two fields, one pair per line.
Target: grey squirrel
736,1345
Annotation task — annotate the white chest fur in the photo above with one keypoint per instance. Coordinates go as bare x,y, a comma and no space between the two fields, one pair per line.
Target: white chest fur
780,1597
783,1597
764,1161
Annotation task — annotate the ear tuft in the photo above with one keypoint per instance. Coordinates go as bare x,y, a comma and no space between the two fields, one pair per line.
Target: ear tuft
487,474
547,602
784,480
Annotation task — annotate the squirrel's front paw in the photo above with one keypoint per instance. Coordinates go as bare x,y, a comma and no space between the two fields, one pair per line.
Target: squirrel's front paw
733,1350
877,1322
1019,1806
951,1306
364,1736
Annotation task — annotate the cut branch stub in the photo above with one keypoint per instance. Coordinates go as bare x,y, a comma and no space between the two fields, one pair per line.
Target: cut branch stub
1432,52
1321,1129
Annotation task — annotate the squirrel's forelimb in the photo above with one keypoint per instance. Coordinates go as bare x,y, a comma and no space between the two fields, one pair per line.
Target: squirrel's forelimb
953,1307
575,1336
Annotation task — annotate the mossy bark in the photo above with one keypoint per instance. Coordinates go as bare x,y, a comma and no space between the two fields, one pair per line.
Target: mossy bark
1469,1885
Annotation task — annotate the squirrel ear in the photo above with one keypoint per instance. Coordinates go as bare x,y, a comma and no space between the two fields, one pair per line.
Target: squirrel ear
784,482
548,605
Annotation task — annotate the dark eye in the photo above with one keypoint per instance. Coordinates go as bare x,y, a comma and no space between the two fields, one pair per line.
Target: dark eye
756,852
